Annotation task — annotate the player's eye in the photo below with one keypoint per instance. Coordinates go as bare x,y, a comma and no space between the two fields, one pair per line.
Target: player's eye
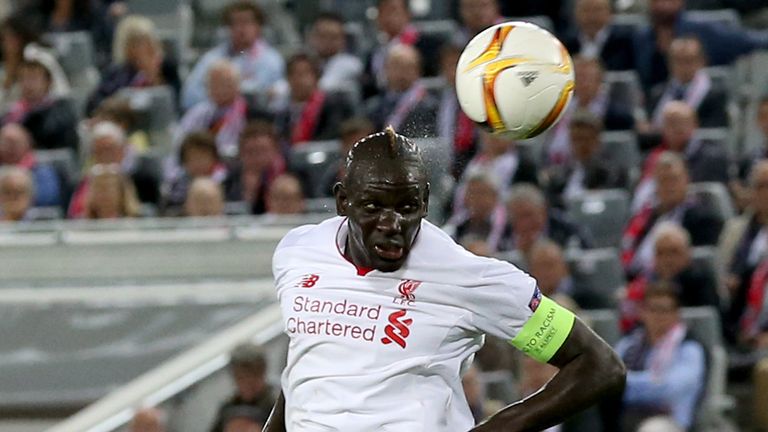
370,207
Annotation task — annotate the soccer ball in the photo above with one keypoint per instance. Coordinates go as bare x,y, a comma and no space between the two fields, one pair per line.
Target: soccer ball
514,79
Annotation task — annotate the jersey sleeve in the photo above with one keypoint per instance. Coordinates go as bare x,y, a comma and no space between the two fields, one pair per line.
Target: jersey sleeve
508,304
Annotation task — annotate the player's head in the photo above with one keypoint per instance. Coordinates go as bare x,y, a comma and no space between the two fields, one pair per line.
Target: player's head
385,195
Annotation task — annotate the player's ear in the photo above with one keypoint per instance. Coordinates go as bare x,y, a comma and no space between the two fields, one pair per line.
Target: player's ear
340,193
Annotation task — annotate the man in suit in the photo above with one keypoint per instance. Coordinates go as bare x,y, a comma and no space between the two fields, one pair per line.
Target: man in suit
311,113
405,104
531,220
591,94
329,43
596,37
672,204
690,83
395,28
723,43
587,171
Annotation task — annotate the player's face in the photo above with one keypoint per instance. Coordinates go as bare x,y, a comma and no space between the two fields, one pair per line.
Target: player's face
385,203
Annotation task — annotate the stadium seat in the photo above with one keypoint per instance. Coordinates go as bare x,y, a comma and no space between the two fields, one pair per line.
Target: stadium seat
500,385
635,20
721,137
605,322
603,212
624,87
727,17
310,161
513,257
75,53
45,213
237,208
597,275
621,147
542,21
442,30
715,196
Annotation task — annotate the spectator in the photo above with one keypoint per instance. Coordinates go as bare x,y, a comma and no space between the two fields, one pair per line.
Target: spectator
474,392
737,186
672,263
110,194
504,163
589,94
588,171
743,246
137,61
60,16
659,424
224,114
248,366
16,150
16,193
668,20
483,217
672,204
534,375
284,196
595,37
453,124
405,104
690,83
259,65
476,16
243,419
706,160
666,368
258,164
395,28
310,114
109,149
199,158
118,110
16,32
204,199
352,130
148,420
547,264
530,220
42,110
753,324
328,40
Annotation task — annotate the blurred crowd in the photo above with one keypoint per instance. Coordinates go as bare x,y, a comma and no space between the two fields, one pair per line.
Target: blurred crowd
656,174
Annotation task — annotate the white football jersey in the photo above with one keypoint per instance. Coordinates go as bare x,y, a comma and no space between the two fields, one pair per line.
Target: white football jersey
376,351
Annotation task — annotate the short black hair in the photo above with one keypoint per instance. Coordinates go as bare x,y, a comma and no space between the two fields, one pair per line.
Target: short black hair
329,16
258,128
248,356
243,6
305,57
397,147
662,289
198,140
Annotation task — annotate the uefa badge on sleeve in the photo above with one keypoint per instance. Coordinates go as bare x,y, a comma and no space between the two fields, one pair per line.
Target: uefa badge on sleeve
535,300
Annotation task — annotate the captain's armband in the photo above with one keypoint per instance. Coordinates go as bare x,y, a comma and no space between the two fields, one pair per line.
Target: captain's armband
546,330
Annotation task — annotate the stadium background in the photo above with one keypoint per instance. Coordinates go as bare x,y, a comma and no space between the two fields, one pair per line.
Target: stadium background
123,300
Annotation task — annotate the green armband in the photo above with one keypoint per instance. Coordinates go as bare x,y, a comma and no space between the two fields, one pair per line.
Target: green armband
545,331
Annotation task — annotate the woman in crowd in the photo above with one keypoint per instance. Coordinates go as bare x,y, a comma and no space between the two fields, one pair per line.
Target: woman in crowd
137,61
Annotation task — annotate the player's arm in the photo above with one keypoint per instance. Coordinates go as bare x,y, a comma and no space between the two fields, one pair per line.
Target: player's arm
589,371
276,421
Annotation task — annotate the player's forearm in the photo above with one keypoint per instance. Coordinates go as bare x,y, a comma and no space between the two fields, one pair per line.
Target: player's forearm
594,373
276,421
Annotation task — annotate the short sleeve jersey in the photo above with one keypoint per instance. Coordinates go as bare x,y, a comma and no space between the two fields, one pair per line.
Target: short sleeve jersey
385,351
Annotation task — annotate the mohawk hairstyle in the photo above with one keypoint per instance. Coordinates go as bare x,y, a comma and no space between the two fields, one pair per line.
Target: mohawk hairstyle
396,145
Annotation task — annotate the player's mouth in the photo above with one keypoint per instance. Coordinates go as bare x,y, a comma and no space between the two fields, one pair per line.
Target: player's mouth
389,252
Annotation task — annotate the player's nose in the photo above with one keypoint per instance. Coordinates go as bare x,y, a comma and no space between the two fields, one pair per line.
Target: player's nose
390,222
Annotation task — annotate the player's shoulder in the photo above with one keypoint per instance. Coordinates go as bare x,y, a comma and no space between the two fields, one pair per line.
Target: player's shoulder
311,235
436,248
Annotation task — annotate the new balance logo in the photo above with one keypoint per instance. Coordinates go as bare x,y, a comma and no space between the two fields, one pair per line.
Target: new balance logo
528,77
397,329
308,281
